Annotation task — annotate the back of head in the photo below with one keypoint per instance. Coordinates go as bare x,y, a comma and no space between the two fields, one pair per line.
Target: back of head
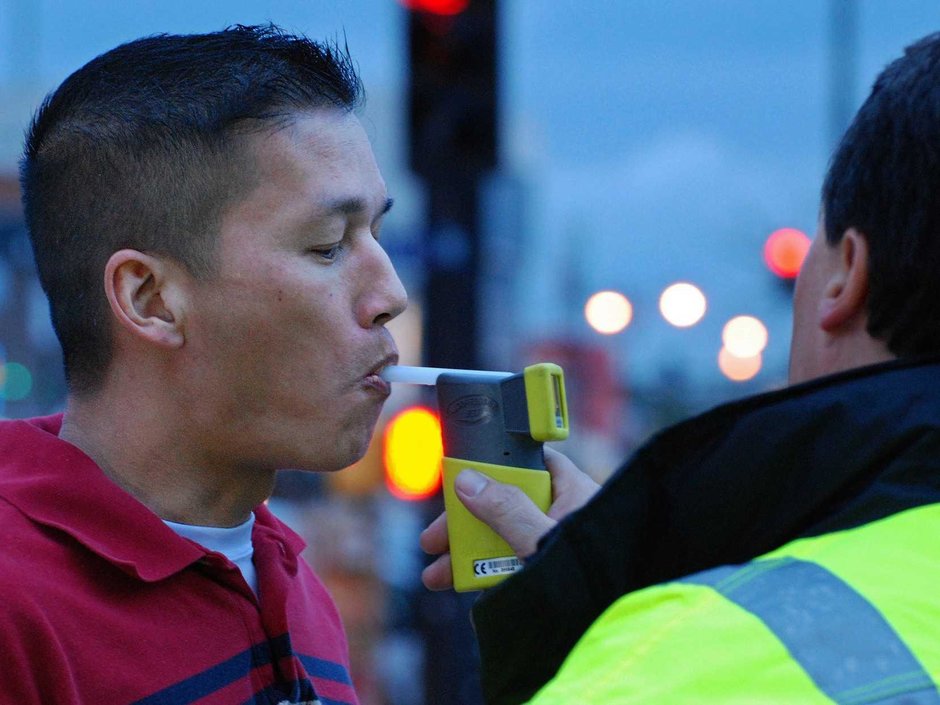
143,148
884,180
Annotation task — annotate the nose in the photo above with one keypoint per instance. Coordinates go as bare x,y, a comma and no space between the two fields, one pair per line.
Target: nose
384,296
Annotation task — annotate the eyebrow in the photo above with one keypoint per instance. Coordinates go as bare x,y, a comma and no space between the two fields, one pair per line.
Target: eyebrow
350,206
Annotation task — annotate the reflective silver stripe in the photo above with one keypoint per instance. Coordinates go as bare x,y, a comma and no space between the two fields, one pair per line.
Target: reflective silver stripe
837,636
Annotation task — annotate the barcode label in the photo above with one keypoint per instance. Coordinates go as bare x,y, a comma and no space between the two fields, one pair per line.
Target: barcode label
496,566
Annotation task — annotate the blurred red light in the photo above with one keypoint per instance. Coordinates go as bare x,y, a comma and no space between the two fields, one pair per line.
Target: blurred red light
437,7
785,251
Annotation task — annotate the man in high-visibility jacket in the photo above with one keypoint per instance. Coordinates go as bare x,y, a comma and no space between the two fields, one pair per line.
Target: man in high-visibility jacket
779,549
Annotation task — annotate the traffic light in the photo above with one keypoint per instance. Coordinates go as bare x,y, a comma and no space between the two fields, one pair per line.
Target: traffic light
412,453
452,92
452,122
437,7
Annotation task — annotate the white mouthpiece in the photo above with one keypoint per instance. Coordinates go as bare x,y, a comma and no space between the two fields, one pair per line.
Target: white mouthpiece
429,375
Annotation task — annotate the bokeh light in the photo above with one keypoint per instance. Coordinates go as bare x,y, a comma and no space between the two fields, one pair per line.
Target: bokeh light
413,453
744,336
16,381
682,304
739,369
437,7
785,251
608,312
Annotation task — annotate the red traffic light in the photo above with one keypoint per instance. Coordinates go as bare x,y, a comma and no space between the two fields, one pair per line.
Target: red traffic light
437,7
412,453
785,250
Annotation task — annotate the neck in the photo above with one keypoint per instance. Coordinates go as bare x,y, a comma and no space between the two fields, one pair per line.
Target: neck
164,465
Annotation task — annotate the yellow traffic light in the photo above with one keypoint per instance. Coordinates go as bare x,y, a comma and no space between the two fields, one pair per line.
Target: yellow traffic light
412,453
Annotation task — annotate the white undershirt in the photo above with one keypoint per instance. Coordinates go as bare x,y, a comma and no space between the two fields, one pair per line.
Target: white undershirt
234,543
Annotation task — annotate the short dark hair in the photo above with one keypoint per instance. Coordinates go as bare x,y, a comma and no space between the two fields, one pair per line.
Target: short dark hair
884,180
143,148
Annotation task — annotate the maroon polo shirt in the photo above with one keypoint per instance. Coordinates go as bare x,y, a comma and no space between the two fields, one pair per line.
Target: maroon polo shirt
103,603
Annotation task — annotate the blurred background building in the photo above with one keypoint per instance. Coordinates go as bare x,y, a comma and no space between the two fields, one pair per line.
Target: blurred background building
558,167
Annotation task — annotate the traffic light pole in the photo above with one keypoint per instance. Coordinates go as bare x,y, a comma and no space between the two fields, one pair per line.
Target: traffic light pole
453,145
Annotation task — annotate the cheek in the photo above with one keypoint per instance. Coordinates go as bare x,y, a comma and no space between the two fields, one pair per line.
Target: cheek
309,346
284,328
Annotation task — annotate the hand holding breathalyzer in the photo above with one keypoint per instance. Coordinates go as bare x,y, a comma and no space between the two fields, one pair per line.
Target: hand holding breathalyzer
509,512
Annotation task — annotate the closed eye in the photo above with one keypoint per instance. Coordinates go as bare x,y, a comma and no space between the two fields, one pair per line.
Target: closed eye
329,253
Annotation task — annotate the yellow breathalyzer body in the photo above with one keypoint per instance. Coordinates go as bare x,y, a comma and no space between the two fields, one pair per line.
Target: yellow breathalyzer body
496,427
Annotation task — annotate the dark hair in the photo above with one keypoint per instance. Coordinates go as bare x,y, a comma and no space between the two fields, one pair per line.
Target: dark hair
884,180
143,148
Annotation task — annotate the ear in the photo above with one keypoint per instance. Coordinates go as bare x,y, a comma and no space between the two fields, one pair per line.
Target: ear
846,291
146,296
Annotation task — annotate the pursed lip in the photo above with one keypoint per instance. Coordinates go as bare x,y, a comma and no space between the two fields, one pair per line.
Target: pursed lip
374,380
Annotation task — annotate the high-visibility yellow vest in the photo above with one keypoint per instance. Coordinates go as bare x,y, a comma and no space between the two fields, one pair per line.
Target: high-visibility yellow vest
851,617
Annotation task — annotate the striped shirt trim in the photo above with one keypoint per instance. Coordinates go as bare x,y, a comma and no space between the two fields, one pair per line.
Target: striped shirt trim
234,669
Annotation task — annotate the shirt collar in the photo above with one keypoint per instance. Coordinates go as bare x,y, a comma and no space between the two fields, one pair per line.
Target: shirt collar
55,484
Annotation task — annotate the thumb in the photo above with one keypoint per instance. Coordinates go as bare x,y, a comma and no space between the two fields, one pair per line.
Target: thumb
504,508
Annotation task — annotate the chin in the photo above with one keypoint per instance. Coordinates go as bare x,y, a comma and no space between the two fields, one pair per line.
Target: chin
339,458
332,450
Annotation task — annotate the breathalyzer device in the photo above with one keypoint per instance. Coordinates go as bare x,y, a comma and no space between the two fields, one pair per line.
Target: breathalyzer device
494,423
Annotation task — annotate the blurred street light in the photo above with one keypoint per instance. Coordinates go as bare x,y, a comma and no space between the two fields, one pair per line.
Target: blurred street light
785,250
682,304
16,381
608,312
739,369
744,336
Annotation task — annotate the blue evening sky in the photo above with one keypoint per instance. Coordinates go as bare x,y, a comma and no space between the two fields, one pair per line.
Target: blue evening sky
651,140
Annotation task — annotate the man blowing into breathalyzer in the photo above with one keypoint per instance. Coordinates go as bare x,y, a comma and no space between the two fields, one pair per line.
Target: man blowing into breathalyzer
205,214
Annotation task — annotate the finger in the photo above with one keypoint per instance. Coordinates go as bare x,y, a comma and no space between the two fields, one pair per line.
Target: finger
504,508
434,538
565,474
559,465
571,487
438,575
